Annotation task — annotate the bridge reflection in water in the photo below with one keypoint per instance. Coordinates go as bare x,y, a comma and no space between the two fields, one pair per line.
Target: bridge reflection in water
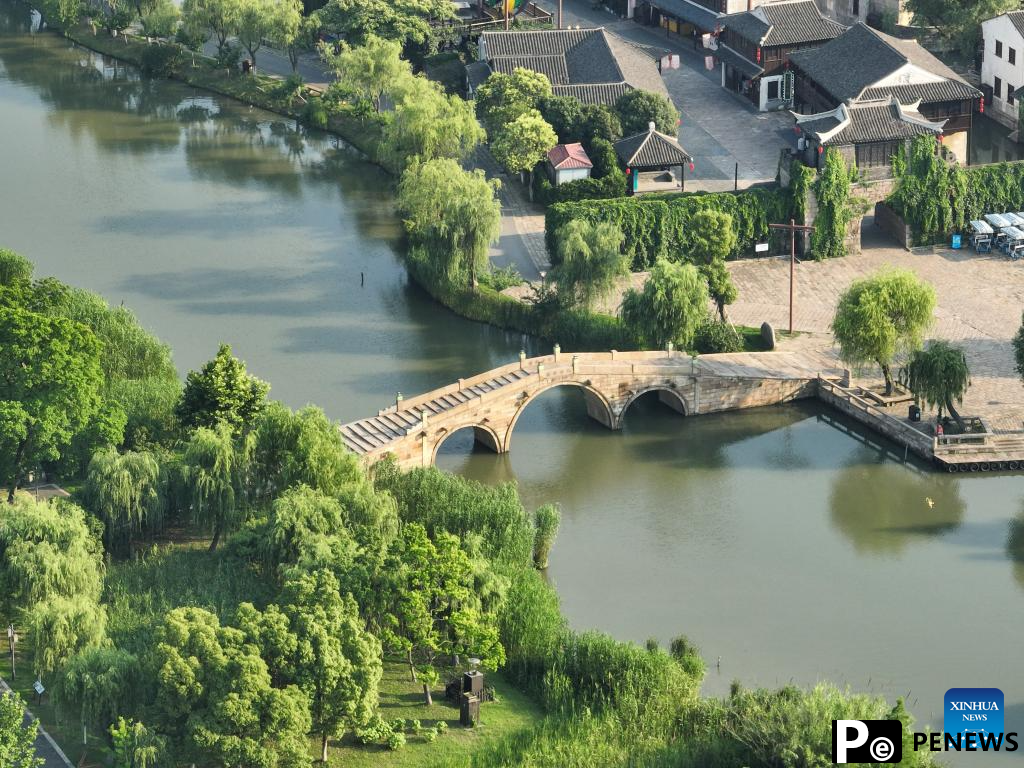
491,403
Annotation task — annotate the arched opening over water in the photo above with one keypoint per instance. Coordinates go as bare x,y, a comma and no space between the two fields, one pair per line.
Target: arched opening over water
469,439
661,397
597,405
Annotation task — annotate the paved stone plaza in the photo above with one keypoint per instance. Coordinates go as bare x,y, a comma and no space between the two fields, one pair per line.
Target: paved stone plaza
980,299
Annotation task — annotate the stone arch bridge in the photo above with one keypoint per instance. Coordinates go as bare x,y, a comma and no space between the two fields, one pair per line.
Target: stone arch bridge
414,428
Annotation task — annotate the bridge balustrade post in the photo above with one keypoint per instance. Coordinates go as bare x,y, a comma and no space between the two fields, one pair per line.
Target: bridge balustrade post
522,359
423,419
558,351
614,352
398,401
575,363
670,347
540,370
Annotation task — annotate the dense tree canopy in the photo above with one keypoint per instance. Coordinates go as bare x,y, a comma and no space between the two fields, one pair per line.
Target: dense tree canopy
521,144
126,492
637,109
959,21
428,124
712,239
50,382
370,70
882,317
502,98
670,306
590,262
454,213
211,470
17,741
222,391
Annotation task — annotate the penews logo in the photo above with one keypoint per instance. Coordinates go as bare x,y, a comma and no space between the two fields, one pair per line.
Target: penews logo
867,741
973,710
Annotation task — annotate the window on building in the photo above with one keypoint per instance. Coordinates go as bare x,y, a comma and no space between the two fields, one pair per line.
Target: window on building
876,154
1011,55
997,89
999,49
856,7
1009,93
773,89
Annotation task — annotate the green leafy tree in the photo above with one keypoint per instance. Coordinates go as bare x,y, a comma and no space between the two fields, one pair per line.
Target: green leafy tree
222,391
938,375
521,144
670,307
216,700
96,684
454,215
546,521
254,24
370,70
301,448
959,21
338,663
161,19
828,240
300,520
713,238
62,13
504,97
17,740
638,109
590,262
47,551
50,380
135,746
428,124
291,30
62,626
565,116
407,22
220,17
14,268
882,317
126,492
210,469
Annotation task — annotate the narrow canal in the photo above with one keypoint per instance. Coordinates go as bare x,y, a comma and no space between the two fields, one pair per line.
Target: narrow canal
784,541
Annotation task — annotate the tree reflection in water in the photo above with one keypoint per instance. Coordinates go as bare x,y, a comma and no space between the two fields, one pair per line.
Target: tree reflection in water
882,508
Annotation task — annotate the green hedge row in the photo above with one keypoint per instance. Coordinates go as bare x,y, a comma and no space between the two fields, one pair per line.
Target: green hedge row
545,193
657,226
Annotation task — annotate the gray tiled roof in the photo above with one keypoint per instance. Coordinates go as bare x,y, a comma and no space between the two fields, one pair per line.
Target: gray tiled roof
790,22
698,15
651,149
574,58
849,65
476,73
728,56
592,93
944,90
1017,18
868,122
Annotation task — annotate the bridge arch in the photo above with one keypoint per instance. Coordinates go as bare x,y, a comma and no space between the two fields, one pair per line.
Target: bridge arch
483,433
598,406
668,396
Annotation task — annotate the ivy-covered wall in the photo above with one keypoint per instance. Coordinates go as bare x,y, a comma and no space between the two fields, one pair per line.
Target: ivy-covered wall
658,226
936,198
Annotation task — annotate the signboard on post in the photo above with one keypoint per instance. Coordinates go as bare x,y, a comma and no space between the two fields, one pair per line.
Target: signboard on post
761,248
37,686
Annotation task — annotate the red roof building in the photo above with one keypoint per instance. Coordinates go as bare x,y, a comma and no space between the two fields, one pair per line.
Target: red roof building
568,162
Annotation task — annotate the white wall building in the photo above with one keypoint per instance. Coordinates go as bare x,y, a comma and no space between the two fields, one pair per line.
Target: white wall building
1002,67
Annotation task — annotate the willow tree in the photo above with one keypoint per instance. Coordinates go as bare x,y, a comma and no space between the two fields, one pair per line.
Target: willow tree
590,262
938,375
210,470
96,685
670,307
125,490
546,521
712,239
46,552
882,317
62,626
370,70
452,217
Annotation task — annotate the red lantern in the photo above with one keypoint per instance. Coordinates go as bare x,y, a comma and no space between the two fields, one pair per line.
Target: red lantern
940,138
821,149
981,106
629,171
691,166
758,55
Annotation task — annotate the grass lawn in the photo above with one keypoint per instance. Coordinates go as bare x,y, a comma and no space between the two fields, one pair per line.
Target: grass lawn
402,698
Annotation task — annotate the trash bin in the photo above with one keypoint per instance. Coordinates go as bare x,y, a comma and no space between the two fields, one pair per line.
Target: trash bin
915,413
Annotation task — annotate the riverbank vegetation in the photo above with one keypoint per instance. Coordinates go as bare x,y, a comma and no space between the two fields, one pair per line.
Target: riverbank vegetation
341,599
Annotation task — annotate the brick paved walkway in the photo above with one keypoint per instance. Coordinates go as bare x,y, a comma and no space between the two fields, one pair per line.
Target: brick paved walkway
980,299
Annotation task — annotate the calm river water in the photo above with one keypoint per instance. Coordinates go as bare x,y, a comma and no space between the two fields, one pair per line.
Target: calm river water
783,541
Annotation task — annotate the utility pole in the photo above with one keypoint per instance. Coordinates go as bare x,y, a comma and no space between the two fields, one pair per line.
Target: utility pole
12,638
793,228
559,14
504,4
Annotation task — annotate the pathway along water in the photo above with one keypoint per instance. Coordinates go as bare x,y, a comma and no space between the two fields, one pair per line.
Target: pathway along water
791,549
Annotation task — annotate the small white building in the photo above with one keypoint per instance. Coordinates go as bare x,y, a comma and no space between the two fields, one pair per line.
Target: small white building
568,162
1002,66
